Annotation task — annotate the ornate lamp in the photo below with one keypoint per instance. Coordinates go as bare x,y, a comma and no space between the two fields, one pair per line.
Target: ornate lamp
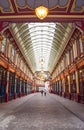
42,61
41,12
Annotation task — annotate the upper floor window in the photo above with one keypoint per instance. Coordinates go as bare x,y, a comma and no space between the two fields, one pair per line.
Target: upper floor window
67,58
65,61
18,61
72,76
12,54
3,48
75,49
81,45
71,55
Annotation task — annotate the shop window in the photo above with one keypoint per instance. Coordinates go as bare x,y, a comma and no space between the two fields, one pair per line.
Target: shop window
71,55
3,81
11,83
81,80
60,85
73,82
63,85
57,86
75,49
17,85
66,85
25,86
81,84
22,86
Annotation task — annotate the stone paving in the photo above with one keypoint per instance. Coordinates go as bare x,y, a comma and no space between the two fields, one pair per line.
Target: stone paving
36,112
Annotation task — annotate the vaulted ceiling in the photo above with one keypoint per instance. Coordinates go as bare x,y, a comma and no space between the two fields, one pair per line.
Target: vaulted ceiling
41,41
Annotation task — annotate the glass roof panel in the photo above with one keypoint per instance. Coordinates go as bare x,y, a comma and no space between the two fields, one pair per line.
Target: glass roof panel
40,37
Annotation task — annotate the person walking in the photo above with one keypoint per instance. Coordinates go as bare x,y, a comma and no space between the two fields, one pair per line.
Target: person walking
42,92
45,93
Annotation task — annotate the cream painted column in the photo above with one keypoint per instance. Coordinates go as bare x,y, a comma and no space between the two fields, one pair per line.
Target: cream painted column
6,48
69,87
69,83
9,50
77,81
15,58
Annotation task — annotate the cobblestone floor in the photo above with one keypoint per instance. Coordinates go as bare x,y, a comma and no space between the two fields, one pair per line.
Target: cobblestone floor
36,112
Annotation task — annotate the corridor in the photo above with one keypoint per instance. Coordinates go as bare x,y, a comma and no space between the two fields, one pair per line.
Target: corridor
37,112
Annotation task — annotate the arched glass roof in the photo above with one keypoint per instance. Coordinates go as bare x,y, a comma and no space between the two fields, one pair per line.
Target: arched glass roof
41,41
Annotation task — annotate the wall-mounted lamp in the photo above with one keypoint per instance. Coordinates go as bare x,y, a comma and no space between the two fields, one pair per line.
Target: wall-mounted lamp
1,37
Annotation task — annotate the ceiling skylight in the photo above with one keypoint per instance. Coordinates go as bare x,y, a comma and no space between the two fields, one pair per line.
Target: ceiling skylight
42,38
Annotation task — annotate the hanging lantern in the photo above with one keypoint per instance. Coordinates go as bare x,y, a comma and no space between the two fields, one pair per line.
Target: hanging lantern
41,12
42,61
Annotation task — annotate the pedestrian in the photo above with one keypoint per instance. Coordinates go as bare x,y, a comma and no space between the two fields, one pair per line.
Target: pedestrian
45,93
42,92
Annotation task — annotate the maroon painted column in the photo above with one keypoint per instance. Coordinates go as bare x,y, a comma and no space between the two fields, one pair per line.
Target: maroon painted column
69,95
64,95
77,98
15,89
61,88
50,86
64,86
77,86
7,85
20,89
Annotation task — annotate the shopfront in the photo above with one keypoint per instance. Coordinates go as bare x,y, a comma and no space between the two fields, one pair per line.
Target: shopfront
81,84
3,82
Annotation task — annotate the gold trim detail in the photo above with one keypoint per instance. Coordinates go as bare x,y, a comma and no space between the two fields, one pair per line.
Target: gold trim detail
49,16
